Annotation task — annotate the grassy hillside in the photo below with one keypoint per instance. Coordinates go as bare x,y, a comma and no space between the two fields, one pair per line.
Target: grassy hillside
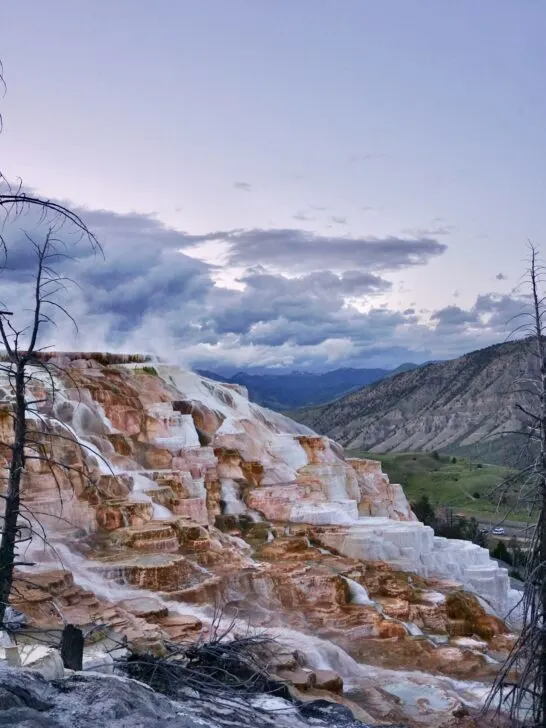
462,485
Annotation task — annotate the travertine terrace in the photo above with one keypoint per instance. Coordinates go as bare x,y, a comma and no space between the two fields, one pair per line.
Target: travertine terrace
181,495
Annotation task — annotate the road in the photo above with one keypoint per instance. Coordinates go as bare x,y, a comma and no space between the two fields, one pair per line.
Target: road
521,530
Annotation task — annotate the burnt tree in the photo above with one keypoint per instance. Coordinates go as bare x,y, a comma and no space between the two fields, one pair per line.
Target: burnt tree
27,373
520,688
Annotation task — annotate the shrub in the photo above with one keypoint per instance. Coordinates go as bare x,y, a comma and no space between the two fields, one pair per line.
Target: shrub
424,511
515,574
501,552
152,371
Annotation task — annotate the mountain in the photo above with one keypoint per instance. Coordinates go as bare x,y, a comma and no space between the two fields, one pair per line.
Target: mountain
461,406
299,389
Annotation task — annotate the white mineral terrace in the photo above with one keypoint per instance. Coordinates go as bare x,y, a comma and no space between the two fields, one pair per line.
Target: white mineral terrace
271,438
412,546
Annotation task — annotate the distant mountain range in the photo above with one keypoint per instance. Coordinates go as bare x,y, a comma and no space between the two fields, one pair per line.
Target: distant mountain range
295,389
470,406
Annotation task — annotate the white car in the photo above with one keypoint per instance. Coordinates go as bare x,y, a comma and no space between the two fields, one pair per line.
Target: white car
498,531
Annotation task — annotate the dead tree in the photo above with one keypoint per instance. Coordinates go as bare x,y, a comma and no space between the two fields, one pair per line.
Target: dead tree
16,201
26,373
520,688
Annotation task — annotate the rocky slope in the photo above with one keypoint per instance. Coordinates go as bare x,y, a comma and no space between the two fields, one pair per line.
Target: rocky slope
462,405
179,497
87,701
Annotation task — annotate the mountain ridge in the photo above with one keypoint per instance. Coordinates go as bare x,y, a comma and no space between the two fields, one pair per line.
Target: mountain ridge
465,405
288,390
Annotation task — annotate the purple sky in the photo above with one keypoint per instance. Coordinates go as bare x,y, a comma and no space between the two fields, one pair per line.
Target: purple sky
307,126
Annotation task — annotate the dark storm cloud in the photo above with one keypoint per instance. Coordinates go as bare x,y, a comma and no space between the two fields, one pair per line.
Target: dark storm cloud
349,283
313,299
297,303
360,328
454,316
298,250
504,311
499,314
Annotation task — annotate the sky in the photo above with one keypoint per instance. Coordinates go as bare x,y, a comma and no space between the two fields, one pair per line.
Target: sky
298,184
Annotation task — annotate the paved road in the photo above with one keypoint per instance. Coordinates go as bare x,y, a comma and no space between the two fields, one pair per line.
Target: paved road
518,529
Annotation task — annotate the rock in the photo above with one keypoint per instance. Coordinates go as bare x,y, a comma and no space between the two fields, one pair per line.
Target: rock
13,619
90,700
146,607
98,661
469,618
44,660
181,626
72,641
328,680
300,679
298,523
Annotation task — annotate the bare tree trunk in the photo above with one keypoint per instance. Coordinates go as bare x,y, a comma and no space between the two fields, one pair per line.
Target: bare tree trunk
49,282
541,571
520,687
13,496
541,576
72,643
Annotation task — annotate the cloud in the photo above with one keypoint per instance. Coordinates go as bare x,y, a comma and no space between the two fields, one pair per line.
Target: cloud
435,231
503,312
454,316
315,301
302,216
302,251
299,299
339,220
245,186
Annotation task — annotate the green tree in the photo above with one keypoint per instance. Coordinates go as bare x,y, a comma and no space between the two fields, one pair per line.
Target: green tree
501,552
424,511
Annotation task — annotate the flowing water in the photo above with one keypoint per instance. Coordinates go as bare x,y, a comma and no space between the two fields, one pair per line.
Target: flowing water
359,594
440,692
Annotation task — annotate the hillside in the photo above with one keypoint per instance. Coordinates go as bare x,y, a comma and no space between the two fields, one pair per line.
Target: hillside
300,389
449,482
461,406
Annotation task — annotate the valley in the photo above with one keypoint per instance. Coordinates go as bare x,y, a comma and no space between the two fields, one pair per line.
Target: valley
450,482
289,389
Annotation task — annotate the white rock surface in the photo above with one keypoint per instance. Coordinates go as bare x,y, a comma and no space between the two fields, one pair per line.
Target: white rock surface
411,546
306,480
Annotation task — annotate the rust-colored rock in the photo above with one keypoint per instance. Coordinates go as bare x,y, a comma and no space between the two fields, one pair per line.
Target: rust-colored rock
328,680
300,679
149,525
467,617
181,627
